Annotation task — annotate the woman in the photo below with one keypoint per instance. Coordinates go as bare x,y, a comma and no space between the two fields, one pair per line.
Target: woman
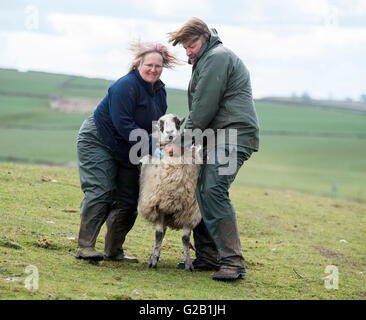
219,98
108,179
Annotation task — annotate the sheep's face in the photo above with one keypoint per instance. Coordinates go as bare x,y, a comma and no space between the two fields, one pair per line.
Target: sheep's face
169,128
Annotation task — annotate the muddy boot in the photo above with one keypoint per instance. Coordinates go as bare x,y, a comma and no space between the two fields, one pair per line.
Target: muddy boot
227,273
88,254
121,257
92,220
206,251
200,265
119,223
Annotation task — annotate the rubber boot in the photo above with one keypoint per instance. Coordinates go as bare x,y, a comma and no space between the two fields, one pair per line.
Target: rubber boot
92,220
119,223
206,251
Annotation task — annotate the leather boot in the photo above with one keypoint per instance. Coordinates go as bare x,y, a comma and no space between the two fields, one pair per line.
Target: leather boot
200,265
88,254
121,257
227,273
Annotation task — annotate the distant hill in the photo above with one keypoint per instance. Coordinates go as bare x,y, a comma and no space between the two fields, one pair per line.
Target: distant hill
314,147
42,84
338,104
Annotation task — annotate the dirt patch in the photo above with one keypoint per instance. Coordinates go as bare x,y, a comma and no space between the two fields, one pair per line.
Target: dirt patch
74,105
329,253
7,243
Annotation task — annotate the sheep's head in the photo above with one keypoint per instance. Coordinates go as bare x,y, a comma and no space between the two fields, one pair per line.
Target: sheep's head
191,155
168,128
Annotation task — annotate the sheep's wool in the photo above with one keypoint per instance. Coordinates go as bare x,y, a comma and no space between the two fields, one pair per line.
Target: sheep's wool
169,188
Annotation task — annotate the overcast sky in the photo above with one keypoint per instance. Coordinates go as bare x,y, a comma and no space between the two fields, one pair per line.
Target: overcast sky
289,46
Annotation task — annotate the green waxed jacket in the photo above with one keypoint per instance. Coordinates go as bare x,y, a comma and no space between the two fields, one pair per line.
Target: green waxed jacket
220,94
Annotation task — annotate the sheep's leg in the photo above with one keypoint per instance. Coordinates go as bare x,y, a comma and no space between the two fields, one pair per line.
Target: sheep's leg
159,236
186,245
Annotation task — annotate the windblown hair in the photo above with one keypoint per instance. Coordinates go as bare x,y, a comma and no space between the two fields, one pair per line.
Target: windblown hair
191,31
141,49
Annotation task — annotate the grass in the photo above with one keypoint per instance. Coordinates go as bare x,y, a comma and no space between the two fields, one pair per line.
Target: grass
47,84
307,148
288,240
331,167
38,146
310,120
322,156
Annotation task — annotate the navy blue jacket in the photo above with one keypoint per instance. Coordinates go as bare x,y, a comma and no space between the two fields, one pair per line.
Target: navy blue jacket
131,103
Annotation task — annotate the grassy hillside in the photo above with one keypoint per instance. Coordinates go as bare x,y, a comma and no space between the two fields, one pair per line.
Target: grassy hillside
310,148
288,241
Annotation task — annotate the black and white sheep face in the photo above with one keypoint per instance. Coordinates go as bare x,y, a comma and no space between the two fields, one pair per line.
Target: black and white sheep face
169,128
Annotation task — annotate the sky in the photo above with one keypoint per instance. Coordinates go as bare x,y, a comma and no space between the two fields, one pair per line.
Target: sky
289,46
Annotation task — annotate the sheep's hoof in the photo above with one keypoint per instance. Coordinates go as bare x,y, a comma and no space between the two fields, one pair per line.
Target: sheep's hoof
153,262
189,268
154,266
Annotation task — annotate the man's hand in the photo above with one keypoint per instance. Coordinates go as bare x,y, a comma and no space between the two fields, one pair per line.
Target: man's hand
175,151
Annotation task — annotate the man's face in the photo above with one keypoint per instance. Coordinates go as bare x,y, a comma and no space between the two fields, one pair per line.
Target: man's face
192,48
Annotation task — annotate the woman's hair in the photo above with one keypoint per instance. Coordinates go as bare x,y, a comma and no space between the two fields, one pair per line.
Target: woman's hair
191,31
141,49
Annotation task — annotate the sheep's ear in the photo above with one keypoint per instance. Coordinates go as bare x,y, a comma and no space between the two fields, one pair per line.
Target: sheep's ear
161,125
181,120
178,122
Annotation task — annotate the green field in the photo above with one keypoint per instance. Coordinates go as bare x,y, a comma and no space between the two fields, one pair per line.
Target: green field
309,148
288,239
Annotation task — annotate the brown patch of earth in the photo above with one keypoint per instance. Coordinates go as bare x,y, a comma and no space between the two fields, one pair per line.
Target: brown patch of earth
74,105
329,253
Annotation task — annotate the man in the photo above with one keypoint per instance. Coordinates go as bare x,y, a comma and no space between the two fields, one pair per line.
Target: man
219,97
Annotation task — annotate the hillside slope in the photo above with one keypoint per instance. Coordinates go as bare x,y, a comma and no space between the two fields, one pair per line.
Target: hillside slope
316,149
288,241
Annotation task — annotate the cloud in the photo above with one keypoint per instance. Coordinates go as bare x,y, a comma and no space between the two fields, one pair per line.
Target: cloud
323,60
87,45
267,13
174,9
318,58
313,7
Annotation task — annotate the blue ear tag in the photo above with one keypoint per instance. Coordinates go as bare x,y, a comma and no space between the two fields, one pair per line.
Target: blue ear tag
158,153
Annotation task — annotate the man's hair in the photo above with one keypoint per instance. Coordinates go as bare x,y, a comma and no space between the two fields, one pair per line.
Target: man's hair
191,31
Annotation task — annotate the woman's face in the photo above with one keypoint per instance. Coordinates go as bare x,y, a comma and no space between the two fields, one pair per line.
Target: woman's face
151,67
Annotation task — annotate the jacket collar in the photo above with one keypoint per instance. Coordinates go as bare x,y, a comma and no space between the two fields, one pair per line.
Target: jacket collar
213,42
149,87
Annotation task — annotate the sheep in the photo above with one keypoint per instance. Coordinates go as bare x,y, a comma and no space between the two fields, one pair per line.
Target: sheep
168,190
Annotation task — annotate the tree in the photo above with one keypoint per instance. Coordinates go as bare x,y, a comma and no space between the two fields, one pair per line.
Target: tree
306,98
